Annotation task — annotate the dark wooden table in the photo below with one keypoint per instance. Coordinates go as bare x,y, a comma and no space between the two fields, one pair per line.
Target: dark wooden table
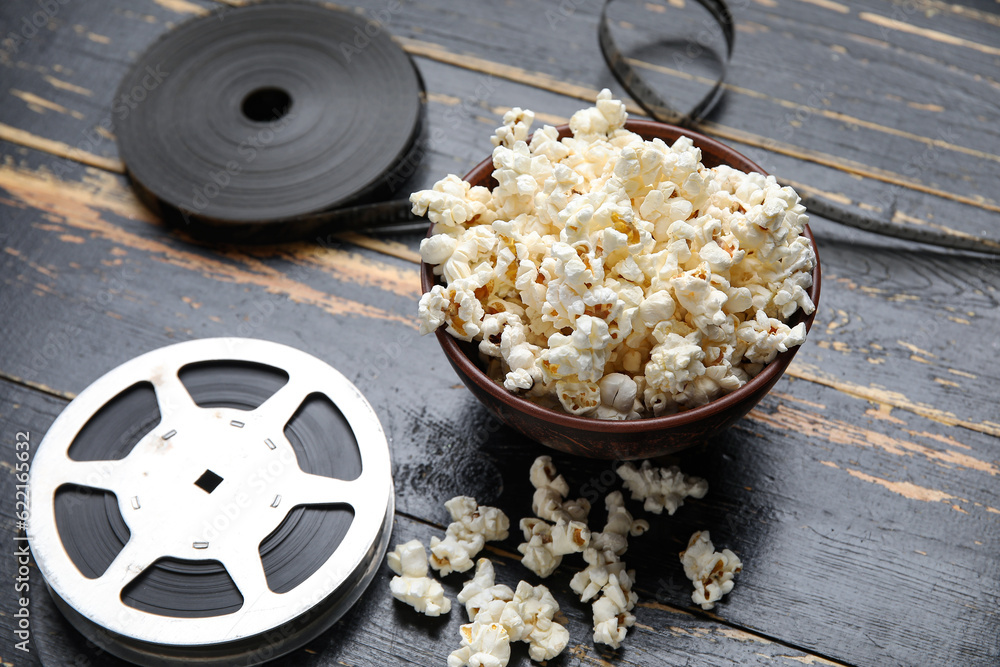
862,494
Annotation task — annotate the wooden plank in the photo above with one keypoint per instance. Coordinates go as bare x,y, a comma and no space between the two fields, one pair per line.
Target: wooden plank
858,332
810,125
817,481
844,335
377,628
60,79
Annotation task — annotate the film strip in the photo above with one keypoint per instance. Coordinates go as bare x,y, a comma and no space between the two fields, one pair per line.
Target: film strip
280,121
660,109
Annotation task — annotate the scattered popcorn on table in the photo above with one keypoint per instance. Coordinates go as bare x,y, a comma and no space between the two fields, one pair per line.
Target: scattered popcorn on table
412,585
710,571
545,544
661,488
500,616
614,277
605,576
549,502
472,527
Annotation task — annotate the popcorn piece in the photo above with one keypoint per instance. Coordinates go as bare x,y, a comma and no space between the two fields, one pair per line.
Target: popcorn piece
483,645
711,572
601,256
619,393
545,544
516,124
606,548
432,309
619,526
605,577
606,117
472,526
412,585
673,362
481,589
612,614
523,615
453,202
766,337
550,491
661,488
536,608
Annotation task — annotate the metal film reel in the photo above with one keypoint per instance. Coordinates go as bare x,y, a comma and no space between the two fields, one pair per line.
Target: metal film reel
217,502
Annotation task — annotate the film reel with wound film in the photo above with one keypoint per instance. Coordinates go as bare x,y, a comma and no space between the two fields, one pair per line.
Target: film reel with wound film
272,121
214,502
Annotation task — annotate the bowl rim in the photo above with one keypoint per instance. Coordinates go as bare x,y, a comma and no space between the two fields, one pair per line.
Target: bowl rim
770,372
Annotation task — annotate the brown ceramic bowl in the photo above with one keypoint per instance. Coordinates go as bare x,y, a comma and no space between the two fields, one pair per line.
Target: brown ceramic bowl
641,438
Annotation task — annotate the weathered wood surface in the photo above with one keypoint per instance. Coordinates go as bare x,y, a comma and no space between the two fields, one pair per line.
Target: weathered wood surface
904,95
381,631
861,494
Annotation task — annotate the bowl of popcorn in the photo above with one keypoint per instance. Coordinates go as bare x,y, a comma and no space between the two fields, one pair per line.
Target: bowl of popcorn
613,288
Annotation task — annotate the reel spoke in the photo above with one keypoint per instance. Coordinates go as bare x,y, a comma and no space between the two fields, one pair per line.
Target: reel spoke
279,409
93,474
319,490
247,571
128,564
172,396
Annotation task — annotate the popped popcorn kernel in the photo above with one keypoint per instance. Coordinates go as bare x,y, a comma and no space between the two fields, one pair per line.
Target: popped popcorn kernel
472,526
412,585
605,579
601,257
661,488
500,616
710,571
482,589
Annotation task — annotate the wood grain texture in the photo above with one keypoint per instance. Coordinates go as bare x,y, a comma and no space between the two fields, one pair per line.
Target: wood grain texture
915,116
861,494
380,630
925,288
809,478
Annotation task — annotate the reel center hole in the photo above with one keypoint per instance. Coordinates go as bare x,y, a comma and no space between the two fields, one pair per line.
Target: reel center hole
266,104
208,481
